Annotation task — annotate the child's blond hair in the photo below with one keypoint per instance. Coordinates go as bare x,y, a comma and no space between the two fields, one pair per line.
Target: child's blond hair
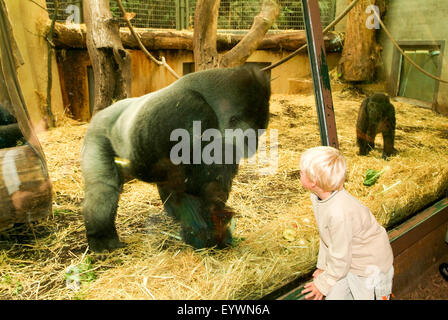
325,166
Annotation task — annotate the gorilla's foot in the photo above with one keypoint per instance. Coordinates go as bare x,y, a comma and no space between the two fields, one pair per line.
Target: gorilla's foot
101,244
387,154
364,149
363,153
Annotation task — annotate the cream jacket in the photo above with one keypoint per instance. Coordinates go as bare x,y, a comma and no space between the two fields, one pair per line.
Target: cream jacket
351,240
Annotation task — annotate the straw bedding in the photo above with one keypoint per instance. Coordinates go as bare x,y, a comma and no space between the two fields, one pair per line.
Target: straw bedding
277,239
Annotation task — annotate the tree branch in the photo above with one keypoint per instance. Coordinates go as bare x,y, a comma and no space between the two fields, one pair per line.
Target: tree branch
262,22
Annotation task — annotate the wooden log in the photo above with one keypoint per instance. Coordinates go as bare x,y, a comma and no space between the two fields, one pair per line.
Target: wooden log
74,36
25,190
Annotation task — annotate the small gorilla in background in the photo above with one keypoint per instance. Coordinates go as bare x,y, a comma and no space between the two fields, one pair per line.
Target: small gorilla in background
10,132
139,130
375,115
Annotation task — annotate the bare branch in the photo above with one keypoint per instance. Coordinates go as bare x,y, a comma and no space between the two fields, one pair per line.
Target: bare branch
262,22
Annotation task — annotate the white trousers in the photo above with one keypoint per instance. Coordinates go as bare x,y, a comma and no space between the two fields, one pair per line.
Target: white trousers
354,287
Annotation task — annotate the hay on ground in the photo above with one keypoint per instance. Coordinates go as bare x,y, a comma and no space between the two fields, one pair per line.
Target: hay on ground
155,265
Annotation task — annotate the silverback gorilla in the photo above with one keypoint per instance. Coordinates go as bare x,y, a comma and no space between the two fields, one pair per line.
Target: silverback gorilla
139,130
376,115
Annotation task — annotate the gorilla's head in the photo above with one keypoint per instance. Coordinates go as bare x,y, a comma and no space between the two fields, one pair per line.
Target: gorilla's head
246,109
252,109
379,98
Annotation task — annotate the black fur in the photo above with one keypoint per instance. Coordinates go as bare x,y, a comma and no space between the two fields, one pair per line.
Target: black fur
376,115
139,129
10,132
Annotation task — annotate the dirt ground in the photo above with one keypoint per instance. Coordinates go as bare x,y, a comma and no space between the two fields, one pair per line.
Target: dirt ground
429,286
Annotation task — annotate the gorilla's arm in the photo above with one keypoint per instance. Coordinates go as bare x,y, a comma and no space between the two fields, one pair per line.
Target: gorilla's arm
9,134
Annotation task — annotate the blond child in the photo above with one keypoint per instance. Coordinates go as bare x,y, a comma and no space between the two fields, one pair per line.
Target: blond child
355,257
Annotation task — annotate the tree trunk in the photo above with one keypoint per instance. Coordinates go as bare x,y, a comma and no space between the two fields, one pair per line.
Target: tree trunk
110,61
361,52
204,39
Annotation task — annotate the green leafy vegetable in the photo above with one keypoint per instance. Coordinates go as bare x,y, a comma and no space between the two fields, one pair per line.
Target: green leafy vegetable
372,176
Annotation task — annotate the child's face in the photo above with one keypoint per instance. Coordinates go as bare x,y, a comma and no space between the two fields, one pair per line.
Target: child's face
306,182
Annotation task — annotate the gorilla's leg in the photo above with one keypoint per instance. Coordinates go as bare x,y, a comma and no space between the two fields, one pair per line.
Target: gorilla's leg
370,136
388,138
362,144
389,133
362,125
103,183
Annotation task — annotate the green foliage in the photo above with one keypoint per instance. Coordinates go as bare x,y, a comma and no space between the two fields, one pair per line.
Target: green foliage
7,279
237,14
61,212
18,289
237,240
372,177
80,273
85,270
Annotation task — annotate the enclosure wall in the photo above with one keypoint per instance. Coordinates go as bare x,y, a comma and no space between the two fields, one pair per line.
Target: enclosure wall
28,20
148,77
417,21
340,6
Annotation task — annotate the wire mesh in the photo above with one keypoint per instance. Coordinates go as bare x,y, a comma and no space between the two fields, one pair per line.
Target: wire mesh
239,14
233,14
68,10
148,13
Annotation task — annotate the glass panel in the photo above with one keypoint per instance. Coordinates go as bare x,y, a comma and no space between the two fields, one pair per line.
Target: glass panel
262,226
413,83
